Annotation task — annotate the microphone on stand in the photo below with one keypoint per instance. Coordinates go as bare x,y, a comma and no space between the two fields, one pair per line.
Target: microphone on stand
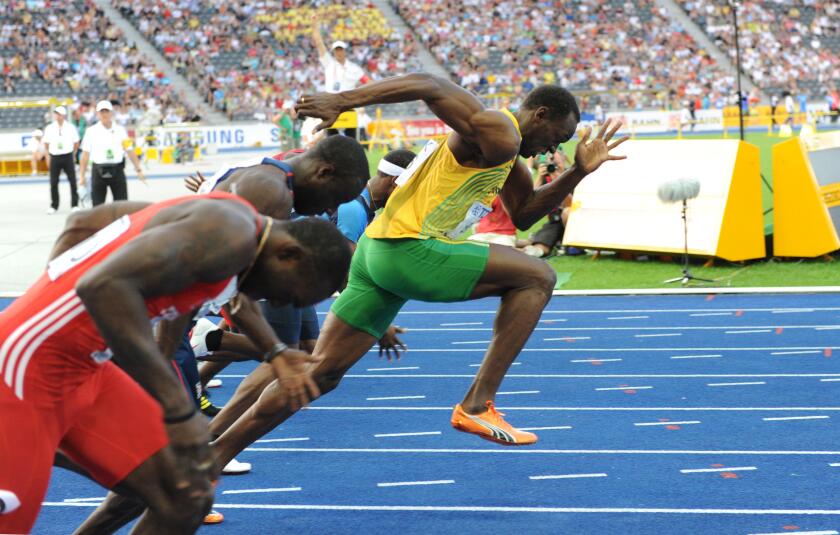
681,190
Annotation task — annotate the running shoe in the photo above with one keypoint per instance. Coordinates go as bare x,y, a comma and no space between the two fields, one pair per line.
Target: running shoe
198,337
8,502
214,383
207,407
235,468
214,517
490,425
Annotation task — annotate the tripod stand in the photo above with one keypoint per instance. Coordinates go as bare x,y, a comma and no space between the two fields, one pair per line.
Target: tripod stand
686,273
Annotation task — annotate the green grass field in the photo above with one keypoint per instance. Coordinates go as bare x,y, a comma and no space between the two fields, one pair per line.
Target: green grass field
607,271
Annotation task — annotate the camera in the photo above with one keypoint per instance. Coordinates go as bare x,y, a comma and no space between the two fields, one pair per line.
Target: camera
550,168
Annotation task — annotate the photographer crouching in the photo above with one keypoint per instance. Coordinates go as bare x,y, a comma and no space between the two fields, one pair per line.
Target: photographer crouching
543,242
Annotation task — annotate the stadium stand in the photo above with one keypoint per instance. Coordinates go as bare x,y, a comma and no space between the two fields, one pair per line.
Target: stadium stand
71,49
786,45
633,47
248,58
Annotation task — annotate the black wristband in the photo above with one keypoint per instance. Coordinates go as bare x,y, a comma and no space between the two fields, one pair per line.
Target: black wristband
274,351
179,419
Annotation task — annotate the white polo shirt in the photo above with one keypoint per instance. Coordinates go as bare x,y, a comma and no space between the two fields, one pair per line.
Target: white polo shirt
60,138
105,145
338,77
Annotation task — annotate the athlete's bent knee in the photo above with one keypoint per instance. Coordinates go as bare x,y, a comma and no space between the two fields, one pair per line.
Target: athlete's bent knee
184,512
328,380
542,277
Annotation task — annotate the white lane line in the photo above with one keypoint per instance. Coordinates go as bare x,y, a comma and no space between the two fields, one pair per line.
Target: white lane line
418,434
567,338
728,469
657,335
737,384
393,369
624,388
473,342
479,365
635,328
500,509
791,310
597,360
254,491
519,451
753,331
829,532
618,349
711,314
612,311
679,357
462,324
780,419
828,328
77,500
269,440
556,320
587,409
567,476
834,464
834,380
229,376
686,422
591,376
517,392
412,483
549,428
809,352
395,397
629,318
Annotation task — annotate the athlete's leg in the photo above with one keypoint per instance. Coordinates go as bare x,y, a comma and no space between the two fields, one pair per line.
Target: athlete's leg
129,448
210,369
525,285
246,394
340,345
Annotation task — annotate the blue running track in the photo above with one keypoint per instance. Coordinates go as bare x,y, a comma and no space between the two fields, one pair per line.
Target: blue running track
660,414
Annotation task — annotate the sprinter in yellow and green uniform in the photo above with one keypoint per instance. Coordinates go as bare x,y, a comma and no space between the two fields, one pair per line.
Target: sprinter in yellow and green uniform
412,249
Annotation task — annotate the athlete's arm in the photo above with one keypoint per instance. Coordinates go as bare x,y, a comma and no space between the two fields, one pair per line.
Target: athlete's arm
527,205
478,129
163,260
170,333
82,225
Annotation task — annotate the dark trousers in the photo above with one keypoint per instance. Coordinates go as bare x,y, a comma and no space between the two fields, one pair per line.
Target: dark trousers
107,176
57,164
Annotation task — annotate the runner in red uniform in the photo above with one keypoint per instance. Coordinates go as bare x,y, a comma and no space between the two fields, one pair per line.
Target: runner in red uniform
58,388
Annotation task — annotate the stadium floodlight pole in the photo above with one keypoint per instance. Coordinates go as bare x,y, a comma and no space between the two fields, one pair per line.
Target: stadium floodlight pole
733,6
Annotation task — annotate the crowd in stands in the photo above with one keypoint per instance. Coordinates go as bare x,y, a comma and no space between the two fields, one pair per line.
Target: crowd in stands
786,45
510,46
72,49
251,58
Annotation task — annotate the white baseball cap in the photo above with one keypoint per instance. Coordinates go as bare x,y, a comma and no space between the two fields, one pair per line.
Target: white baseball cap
61,110
338,44
104,105
38,133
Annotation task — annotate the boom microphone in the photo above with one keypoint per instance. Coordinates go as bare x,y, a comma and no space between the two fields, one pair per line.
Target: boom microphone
681,189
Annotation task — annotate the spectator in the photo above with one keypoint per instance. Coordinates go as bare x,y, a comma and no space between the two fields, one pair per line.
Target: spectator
340,74
104,145
61,140
39,151
544,241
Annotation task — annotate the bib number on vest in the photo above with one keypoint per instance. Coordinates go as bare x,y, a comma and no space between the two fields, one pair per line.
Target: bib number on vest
428,149
84,250
475,214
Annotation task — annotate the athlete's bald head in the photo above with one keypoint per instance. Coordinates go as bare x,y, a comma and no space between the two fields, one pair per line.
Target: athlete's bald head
331,173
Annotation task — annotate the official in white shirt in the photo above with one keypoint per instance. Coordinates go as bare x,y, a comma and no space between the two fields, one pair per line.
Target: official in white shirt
340,74
104,145
62,140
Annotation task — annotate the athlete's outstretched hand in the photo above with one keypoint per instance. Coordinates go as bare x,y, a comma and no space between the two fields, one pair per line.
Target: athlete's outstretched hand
194,466
391,342
590,154
194,181
324,106
294,377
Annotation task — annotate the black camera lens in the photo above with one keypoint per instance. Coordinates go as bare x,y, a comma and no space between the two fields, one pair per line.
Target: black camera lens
550,168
